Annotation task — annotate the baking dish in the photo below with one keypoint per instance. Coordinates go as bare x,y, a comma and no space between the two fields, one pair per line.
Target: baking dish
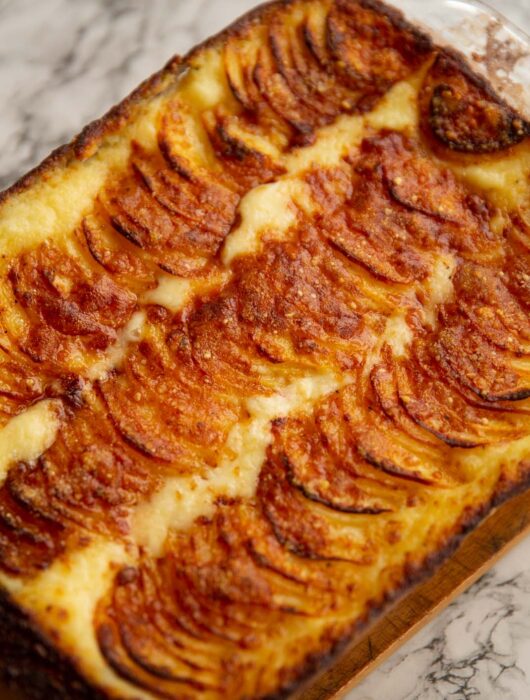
493,39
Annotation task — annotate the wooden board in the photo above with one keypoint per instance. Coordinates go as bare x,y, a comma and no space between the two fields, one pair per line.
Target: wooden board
477,553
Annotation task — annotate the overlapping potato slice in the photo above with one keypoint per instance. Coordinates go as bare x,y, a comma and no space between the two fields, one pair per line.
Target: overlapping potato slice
29,540
463,114
486,370
372,50
244,164
178,222
67,306
218,598
443,407
307,68
436,209
88,480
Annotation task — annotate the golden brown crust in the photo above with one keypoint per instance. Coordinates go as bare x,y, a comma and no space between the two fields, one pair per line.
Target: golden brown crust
392,285
31,663
461,112
86,143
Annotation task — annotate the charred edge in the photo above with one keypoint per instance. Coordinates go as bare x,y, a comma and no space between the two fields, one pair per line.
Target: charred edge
130,439
264,563
424,43
161,672
518,395
513,132
474,78
512,135
452,442
514,396
87,142
31,664
234,148
90,138
295,548
105,639
127,232
30,661
392,469
438,216
175,163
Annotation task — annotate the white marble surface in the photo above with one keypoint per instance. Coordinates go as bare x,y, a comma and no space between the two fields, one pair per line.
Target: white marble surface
63,63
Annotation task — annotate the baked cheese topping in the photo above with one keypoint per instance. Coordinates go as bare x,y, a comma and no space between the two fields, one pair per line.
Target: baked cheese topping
184,499
26,436
266,350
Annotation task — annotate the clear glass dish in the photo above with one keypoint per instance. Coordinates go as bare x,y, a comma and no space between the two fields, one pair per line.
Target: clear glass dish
495,47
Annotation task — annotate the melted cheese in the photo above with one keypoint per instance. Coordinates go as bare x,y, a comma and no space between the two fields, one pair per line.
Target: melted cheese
205,84
26,436
183,499
398,334
506,455
332,143
398,109
115,355
269,208
64,598
503,179
173,293
440,287
66,595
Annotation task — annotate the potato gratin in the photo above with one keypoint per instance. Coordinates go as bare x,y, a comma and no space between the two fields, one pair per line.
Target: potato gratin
265,356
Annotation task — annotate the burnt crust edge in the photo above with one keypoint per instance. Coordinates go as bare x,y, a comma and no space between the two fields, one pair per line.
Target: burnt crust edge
32,665
91,138
482,83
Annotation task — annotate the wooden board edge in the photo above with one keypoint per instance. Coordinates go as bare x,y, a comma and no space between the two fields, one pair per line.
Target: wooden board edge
502,530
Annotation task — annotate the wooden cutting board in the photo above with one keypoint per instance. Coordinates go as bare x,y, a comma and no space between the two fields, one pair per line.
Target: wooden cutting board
503,528
478,552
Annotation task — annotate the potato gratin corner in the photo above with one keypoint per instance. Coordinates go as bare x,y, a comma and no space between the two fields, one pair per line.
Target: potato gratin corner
264,356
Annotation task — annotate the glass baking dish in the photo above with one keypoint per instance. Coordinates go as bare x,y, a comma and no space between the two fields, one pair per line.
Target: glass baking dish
495,47
499,50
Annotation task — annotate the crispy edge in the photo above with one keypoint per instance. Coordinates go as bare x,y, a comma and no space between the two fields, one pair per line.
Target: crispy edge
31,663
316,663
92,137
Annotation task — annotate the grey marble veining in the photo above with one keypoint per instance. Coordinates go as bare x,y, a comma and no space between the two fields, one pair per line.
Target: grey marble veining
64,63
478,648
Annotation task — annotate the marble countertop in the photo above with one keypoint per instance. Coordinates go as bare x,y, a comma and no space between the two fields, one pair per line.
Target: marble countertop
65,62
